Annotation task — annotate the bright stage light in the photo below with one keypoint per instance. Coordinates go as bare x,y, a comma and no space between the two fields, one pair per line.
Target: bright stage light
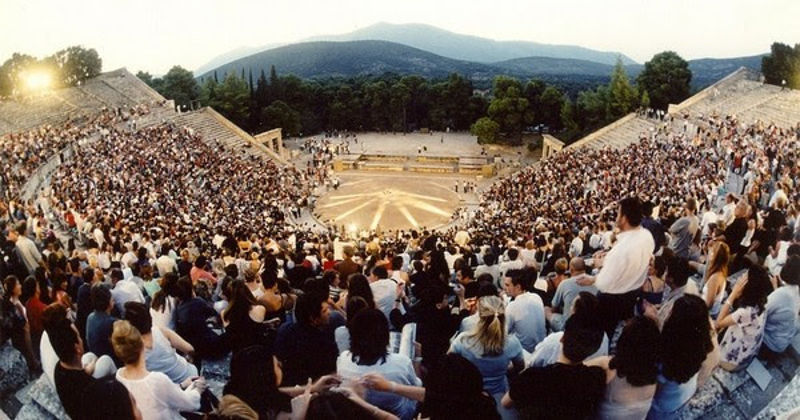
37,80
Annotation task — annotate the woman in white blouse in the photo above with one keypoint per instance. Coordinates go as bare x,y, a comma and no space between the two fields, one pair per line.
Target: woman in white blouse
156,395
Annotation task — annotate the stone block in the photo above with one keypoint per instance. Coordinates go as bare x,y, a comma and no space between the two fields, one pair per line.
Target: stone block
13,369
33,411
45,395
750,399
726,411
730,381
217,369
787,400
704,401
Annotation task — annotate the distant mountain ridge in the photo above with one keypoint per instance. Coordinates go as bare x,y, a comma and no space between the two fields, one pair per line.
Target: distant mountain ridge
468,47
324,59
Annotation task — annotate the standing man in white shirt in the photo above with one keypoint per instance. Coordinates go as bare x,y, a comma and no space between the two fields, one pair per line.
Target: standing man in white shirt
525,313
623,269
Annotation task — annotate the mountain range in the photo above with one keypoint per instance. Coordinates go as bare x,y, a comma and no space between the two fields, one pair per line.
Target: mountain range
432,52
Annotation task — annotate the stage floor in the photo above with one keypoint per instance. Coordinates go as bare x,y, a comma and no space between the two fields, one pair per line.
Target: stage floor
390,202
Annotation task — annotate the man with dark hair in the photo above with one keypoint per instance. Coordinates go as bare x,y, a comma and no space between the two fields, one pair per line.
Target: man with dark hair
513,263
304,348
347,266
653,226
684,229
525,313
489,267
91,277
100,322
624,268
677,278
567,389
70,377
384,290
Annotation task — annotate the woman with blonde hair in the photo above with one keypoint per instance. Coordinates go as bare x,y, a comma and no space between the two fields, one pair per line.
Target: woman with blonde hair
716,277
490,348
156,395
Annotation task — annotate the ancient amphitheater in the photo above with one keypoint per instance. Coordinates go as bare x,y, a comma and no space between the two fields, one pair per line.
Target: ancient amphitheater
761,394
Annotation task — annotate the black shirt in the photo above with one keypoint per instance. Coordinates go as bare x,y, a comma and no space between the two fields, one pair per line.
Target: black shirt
558,391
70,384
306,352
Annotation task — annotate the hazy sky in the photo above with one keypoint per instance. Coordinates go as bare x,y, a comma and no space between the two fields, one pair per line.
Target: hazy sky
154,35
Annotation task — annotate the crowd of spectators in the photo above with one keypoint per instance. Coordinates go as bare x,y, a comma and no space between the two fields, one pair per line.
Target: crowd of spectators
595,284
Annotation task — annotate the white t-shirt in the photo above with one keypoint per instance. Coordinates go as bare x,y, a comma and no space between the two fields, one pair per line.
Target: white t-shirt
385,292
525,319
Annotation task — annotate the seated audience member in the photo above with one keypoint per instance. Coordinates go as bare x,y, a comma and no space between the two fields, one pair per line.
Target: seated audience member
33,309
453,390
255,377
108,398
548,351
162,306
124,291
686,343
100,322
342,403
384,290
18,327
567,389
631,373
525,313
567,292
744,317
653,287
355,304
232,408
369,339
435,321
783,306
156,396
677,278
716,278
304,348
244,319
191,322
161,345
490,348
75,370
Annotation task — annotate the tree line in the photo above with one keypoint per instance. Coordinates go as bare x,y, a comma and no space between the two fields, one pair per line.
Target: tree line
401,103
67,67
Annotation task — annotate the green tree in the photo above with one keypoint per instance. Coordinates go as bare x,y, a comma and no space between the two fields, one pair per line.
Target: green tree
280,115
783,63
666,78
400,95
509,109
208,93
76,64
156,83
550,104
567,115
179,84
486,130
622,96
645,101
233,99
11,73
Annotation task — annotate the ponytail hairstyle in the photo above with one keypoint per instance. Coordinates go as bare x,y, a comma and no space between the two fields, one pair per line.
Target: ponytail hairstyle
490,332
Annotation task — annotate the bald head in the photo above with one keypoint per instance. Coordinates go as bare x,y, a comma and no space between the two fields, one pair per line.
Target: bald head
577,266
